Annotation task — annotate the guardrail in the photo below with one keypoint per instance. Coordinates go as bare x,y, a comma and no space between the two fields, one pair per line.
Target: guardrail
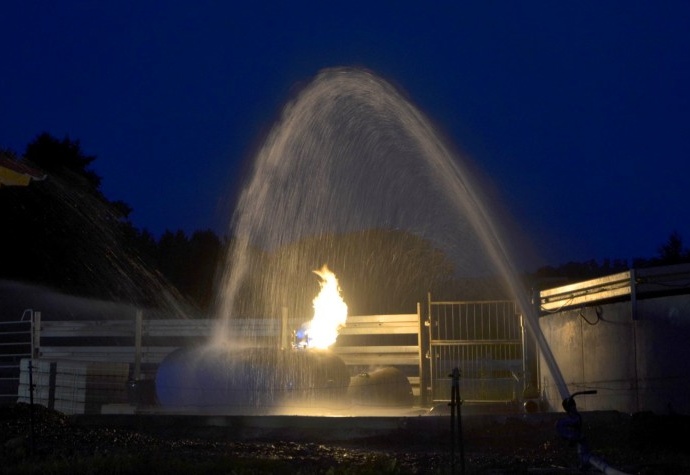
633,284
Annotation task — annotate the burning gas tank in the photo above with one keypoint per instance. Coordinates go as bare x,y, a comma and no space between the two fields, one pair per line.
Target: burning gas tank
217,378
384,387
220,377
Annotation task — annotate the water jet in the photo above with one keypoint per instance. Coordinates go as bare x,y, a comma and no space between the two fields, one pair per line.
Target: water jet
350,153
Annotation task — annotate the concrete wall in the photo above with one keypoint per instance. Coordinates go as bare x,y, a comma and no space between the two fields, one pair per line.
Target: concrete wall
637,356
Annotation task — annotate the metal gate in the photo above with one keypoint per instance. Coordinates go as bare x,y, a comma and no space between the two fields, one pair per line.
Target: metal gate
16,343
485,340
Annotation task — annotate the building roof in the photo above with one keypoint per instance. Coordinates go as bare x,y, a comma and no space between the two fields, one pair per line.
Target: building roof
16,173
632,284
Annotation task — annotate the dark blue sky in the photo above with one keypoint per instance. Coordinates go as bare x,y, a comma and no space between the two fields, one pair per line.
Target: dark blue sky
578,111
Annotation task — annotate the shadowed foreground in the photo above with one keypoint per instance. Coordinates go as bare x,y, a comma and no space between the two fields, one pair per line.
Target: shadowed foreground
640,444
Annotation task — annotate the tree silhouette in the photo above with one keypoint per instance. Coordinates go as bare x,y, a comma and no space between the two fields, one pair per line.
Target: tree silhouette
379,270
65,159
190,264
65,234
672,251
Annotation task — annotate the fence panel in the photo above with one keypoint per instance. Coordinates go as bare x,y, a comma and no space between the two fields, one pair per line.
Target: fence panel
80,365
372,341
484,339
15,344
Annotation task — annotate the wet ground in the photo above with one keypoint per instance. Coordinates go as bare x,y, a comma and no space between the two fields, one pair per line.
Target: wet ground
639,444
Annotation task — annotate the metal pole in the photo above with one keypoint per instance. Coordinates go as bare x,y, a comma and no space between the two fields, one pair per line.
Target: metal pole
31,403
420,353
35,352
456,401
430,354
460,439
452,420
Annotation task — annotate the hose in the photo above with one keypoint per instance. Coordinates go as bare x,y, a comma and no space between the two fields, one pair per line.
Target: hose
603,466
570,428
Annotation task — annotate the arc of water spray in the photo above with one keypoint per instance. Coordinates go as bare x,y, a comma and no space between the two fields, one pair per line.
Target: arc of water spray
289,151
490,236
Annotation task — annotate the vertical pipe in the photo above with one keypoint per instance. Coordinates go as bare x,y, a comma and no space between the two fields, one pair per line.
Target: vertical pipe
634,317
582,352
633,294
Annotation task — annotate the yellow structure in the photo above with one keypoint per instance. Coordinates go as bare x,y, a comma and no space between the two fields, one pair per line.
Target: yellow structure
14,173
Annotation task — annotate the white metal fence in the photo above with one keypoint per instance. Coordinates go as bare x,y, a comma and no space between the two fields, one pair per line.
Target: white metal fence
79,366
15,344
484,339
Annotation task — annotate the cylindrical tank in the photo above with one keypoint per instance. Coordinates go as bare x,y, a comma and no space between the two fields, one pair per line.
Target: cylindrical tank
384,387
222,378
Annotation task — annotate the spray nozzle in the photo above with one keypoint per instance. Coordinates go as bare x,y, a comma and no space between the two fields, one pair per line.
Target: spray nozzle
569,403
570,427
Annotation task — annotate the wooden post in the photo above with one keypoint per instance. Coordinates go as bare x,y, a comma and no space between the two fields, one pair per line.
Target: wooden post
138,323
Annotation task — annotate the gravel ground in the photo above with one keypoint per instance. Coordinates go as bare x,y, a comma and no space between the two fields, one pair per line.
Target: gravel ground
641,444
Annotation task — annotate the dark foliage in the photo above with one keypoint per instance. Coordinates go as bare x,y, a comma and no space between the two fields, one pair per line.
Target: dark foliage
63,232
379,271
190,264
671,252
64,159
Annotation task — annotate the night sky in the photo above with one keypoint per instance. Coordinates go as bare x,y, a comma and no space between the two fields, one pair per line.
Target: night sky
579,112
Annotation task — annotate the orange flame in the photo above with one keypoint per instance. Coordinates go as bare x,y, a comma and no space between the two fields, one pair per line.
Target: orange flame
330,312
